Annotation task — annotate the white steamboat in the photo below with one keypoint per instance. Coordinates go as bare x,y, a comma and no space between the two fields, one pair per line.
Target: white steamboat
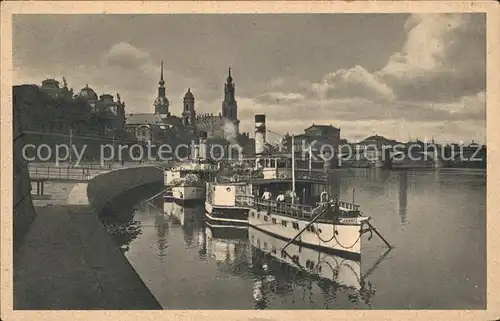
313,219
186,181
303,214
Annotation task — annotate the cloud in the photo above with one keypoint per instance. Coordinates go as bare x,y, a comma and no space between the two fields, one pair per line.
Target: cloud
467,107
354,82
122,68
279,122
438,77
280,98
126,55
443,57
429,76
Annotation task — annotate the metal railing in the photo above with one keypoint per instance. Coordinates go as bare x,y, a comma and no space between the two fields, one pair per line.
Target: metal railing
80,172
289,209
348,205
62,173
293,210
98,165
300,174
192,167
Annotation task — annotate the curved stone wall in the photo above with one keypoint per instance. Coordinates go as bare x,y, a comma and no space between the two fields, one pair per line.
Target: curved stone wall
105,187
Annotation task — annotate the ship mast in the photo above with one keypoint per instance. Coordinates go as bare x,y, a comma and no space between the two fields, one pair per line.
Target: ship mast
310,157
293,169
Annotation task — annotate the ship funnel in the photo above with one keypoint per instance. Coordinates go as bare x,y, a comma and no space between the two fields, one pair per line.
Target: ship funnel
260,133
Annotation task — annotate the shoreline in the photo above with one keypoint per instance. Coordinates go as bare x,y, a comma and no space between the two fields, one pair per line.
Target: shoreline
68,260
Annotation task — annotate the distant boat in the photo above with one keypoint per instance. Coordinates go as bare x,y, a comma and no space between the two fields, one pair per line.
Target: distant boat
186,181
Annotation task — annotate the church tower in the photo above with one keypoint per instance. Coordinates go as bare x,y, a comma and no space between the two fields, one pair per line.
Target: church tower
161,102
188,112
229,105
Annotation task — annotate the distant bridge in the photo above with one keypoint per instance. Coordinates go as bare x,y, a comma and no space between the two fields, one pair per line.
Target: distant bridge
440,156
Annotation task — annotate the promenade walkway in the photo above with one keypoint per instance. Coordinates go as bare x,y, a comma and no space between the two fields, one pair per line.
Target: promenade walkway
67,260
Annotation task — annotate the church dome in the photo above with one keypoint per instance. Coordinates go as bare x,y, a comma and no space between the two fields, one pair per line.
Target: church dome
88,93
189,94
50,83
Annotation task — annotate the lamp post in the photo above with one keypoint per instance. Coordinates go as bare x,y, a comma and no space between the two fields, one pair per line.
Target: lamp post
70,144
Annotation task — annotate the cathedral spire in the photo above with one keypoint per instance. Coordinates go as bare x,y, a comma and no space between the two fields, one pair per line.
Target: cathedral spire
161,75
229,78
161,102
229,105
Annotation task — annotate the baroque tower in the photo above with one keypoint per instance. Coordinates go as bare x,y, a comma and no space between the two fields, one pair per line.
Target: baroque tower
161,102
229,105
188,112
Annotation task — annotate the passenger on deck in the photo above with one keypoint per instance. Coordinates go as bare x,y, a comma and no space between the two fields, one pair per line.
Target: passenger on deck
266,195
281,197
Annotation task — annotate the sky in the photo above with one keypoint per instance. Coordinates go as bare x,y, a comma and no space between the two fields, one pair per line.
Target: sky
403,76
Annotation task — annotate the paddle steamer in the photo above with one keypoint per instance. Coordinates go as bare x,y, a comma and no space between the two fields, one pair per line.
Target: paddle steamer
305,214
186,181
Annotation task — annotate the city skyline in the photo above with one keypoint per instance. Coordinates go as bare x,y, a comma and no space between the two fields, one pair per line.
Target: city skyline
398,75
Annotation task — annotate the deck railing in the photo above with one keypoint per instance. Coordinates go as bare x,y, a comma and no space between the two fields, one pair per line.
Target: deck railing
300,174
194,168
289,209
345,205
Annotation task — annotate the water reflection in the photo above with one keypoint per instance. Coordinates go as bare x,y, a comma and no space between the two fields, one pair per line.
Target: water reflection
228,247
403,196
162,229
284,272
118,217
188,216
228,269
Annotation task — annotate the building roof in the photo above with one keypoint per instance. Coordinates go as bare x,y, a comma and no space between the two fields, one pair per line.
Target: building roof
189,94
173,121
88,93
322,127
378,139
133,119
50,81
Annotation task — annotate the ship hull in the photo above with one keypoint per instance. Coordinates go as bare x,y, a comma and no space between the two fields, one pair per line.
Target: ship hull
343,271
225,216
186,193
339,239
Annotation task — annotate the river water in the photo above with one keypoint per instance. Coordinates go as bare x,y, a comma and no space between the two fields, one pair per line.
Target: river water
436,221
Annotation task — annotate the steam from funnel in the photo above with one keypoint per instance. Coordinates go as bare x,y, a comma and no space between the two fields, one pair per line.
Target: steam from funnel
202,145
231,133
260,133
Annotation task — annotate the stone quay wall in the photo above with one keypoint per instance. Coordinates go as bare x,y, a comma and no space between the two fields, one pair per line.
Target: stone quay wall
104,187
23,210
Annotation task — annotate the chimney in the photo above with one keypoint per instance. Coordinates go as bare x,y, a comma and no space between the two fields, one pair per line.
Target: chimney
202,147
260,133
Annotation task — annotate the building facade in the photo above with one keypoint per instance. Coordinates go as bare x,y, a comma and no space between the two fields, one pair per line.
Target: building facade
52,109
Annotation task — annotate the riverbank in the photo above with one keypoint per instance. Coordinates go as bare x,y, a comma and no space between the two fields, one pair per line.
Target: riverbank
67,259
